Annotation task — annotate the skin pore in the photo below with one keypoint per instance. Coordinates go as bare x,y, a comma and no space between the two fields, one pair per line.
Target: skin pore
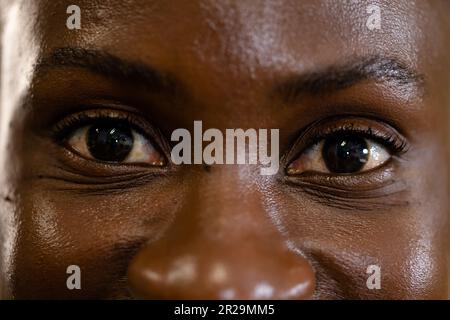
311,69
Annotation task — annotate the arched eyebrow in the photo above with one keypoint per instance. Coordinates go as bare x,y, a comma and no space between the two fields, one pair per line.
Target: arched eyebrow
341,76
110,66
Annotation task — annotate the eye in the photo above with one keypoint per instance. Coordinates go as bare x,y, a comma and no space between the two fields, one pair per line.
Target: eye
341,153
113,140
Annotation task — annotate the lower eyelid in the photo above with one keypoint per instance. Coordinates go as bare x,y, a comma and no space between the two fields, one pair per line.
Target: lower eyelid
73,168
360,182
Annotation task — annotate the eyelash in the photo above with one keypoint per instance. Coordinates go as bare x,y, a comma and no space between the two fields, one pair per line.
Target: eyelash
394,145
66,126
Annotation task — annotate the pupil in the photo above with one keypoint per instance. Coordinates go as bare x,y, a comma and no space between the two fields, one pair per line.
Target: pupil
345,153
110,141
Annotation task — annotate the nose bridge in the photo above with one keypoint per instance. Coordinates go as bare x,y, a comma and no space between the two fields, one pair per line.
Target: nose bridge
225,213
221,245
228,204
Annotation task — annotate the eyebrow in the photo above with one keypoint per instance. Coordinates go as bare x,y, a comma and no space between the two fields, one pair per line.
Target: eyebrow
338,77
110,66
326,80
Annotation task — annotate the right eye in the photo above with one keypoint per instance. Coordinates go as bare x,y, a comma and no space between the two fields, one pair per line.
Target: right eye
347,146
341,154
113,140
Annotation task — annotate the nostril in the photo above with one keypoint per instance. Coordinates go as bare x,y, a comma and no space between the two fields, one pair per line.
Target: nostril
220,274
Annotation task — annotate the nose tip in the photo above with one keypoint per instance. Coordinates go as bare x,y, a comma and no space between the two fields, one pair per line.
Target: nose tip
205,272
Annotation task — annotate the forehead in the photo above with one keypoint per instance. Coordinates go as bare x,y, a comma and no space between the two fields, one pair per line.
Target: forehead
262,33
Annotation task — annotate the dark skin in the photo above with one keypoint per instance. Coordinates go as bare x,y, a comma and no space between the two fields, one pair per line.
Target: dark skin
139,229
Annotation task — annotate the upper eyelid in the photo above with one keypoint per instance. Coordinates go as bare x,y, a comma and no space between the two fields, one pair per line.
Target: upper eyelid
365,134
369,131
76,120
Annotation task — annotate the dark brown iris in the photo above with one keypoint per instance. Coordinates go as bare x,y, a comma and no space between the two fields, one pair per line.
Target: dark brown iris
110,141
345,153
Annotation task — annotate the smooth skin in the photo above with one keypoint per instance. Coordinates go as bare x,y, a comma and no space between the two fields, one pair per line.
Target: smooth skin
225,231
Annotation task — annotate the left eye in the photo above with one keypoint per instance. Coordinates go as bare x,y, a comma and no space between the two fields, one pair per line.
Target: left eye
114,141
341,154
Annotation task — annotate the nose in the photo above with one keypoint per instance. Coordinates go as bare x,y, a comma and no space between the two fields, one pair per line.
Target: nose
222,245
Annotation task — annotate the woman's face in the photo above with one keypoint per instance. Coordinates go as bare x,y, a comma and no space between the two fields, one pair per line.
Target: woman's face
87,176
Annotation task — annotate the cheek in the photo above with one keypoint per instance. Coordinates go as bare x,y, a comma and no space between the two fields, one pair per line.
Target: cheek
100,233
407,242
425,270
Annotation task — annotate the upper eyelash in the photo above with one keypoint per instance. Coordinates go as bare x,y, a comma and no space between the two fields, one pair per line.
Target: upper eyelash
64,127
394,144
